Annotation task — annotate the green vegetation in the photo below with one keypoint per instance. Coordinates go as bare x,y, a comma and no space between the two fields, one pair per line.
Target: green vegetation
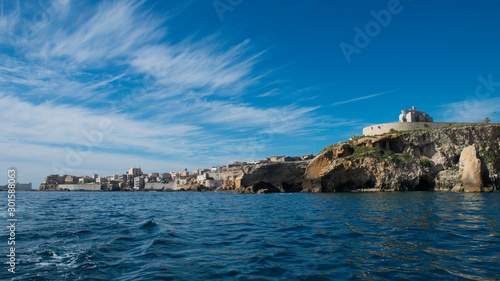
362,151
445,127
330,147
388,153
455,168
378,153
360,137
488,156
407,157
425,163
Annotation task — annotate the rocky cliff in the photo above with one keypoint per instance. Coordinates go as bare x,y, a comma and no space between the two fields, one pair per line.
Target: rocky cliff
265,177
457,158
464,158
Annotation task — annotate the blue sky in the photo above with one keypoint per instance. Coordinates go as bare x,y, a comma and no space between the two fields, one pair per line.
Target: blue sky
101,86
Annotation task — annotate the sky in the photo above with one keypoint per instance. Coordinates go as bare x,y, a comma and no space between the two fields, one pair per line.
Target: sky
102,86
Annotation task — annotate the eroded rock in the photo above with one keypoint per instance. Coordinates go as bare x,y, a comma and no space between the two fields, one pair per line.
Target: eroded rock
472,170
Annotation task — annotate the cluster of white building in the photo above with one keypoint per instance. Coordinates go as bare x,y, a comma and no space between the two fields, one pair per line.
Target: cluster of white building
137,180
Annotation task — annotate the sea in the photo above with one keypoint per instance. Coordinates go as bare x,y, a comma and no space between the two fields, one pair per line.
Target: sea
228,236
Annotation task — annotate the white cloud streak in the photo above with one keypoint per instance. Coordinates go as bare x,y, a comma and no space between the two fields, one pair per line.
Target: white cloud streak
363,98
115,61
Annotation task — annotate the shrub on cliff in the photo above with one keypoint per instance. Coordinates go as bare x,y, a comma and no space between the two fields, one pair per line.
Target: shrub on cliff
425,162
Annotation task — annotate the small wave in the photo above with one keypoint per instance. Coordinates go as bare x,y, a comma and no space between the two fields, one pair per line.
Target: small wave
47,253
69,259
149,224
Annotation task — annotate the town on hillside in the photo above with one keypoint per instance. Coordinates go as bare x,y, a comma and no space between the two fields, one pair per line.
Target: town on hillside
136,180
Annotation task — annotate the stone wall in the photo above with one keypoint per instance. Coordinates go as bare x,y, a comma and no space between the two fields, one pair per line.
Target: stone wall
406,126
80,187
154,186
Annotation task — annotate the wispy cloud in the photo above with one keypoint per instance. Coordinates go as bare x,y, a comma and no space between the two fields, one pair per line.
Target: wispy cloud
270,93
63,125
115,29
195,65
472,110
115,61
363,98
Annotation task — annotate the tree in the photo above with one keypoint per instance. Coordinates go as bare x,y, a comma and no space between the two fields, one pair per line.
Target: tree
487,120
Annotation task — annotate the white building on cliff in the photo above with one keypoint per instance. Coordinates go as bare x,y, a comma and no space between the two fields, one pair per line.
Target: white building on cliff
413,115
408,120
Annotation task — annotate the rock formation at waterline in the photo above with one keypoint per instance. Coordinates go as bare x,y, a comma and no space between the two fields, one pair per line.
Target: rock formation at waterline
459,159
465,158
265,177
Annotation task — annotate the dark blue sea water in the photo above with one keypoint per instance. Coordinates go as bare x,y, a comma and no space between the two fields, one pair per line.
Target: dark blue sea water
226,236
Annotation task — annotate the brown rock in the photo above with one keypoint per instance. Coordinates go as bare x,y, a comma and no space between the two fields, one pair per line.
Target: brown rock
343,150
471,170
319,165
268,177
445,180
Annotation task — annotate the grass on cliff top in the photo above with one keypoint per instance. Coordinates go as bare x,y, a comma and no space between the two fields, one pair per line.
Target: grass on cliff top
332,146
378,153
373,152
360,137
445,127
381,154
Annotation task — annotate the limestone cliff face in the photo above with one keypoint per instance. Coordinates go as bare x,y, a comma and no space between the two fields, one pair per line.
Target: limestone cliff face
459,159
265,177
368,174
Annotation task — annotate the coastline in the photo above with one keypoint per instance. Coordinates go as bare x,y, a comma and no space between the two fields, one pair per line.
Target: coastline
425,159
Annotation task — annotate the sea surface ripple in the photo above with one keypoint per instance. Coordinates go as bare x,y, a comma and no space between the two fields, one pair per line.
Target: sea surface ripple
227,236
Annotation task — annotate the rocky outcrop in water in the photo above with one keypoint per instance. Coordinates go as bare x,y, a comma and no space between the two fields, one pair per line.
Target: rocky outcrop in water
465,158
473,172
265,177
458,159
195,187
